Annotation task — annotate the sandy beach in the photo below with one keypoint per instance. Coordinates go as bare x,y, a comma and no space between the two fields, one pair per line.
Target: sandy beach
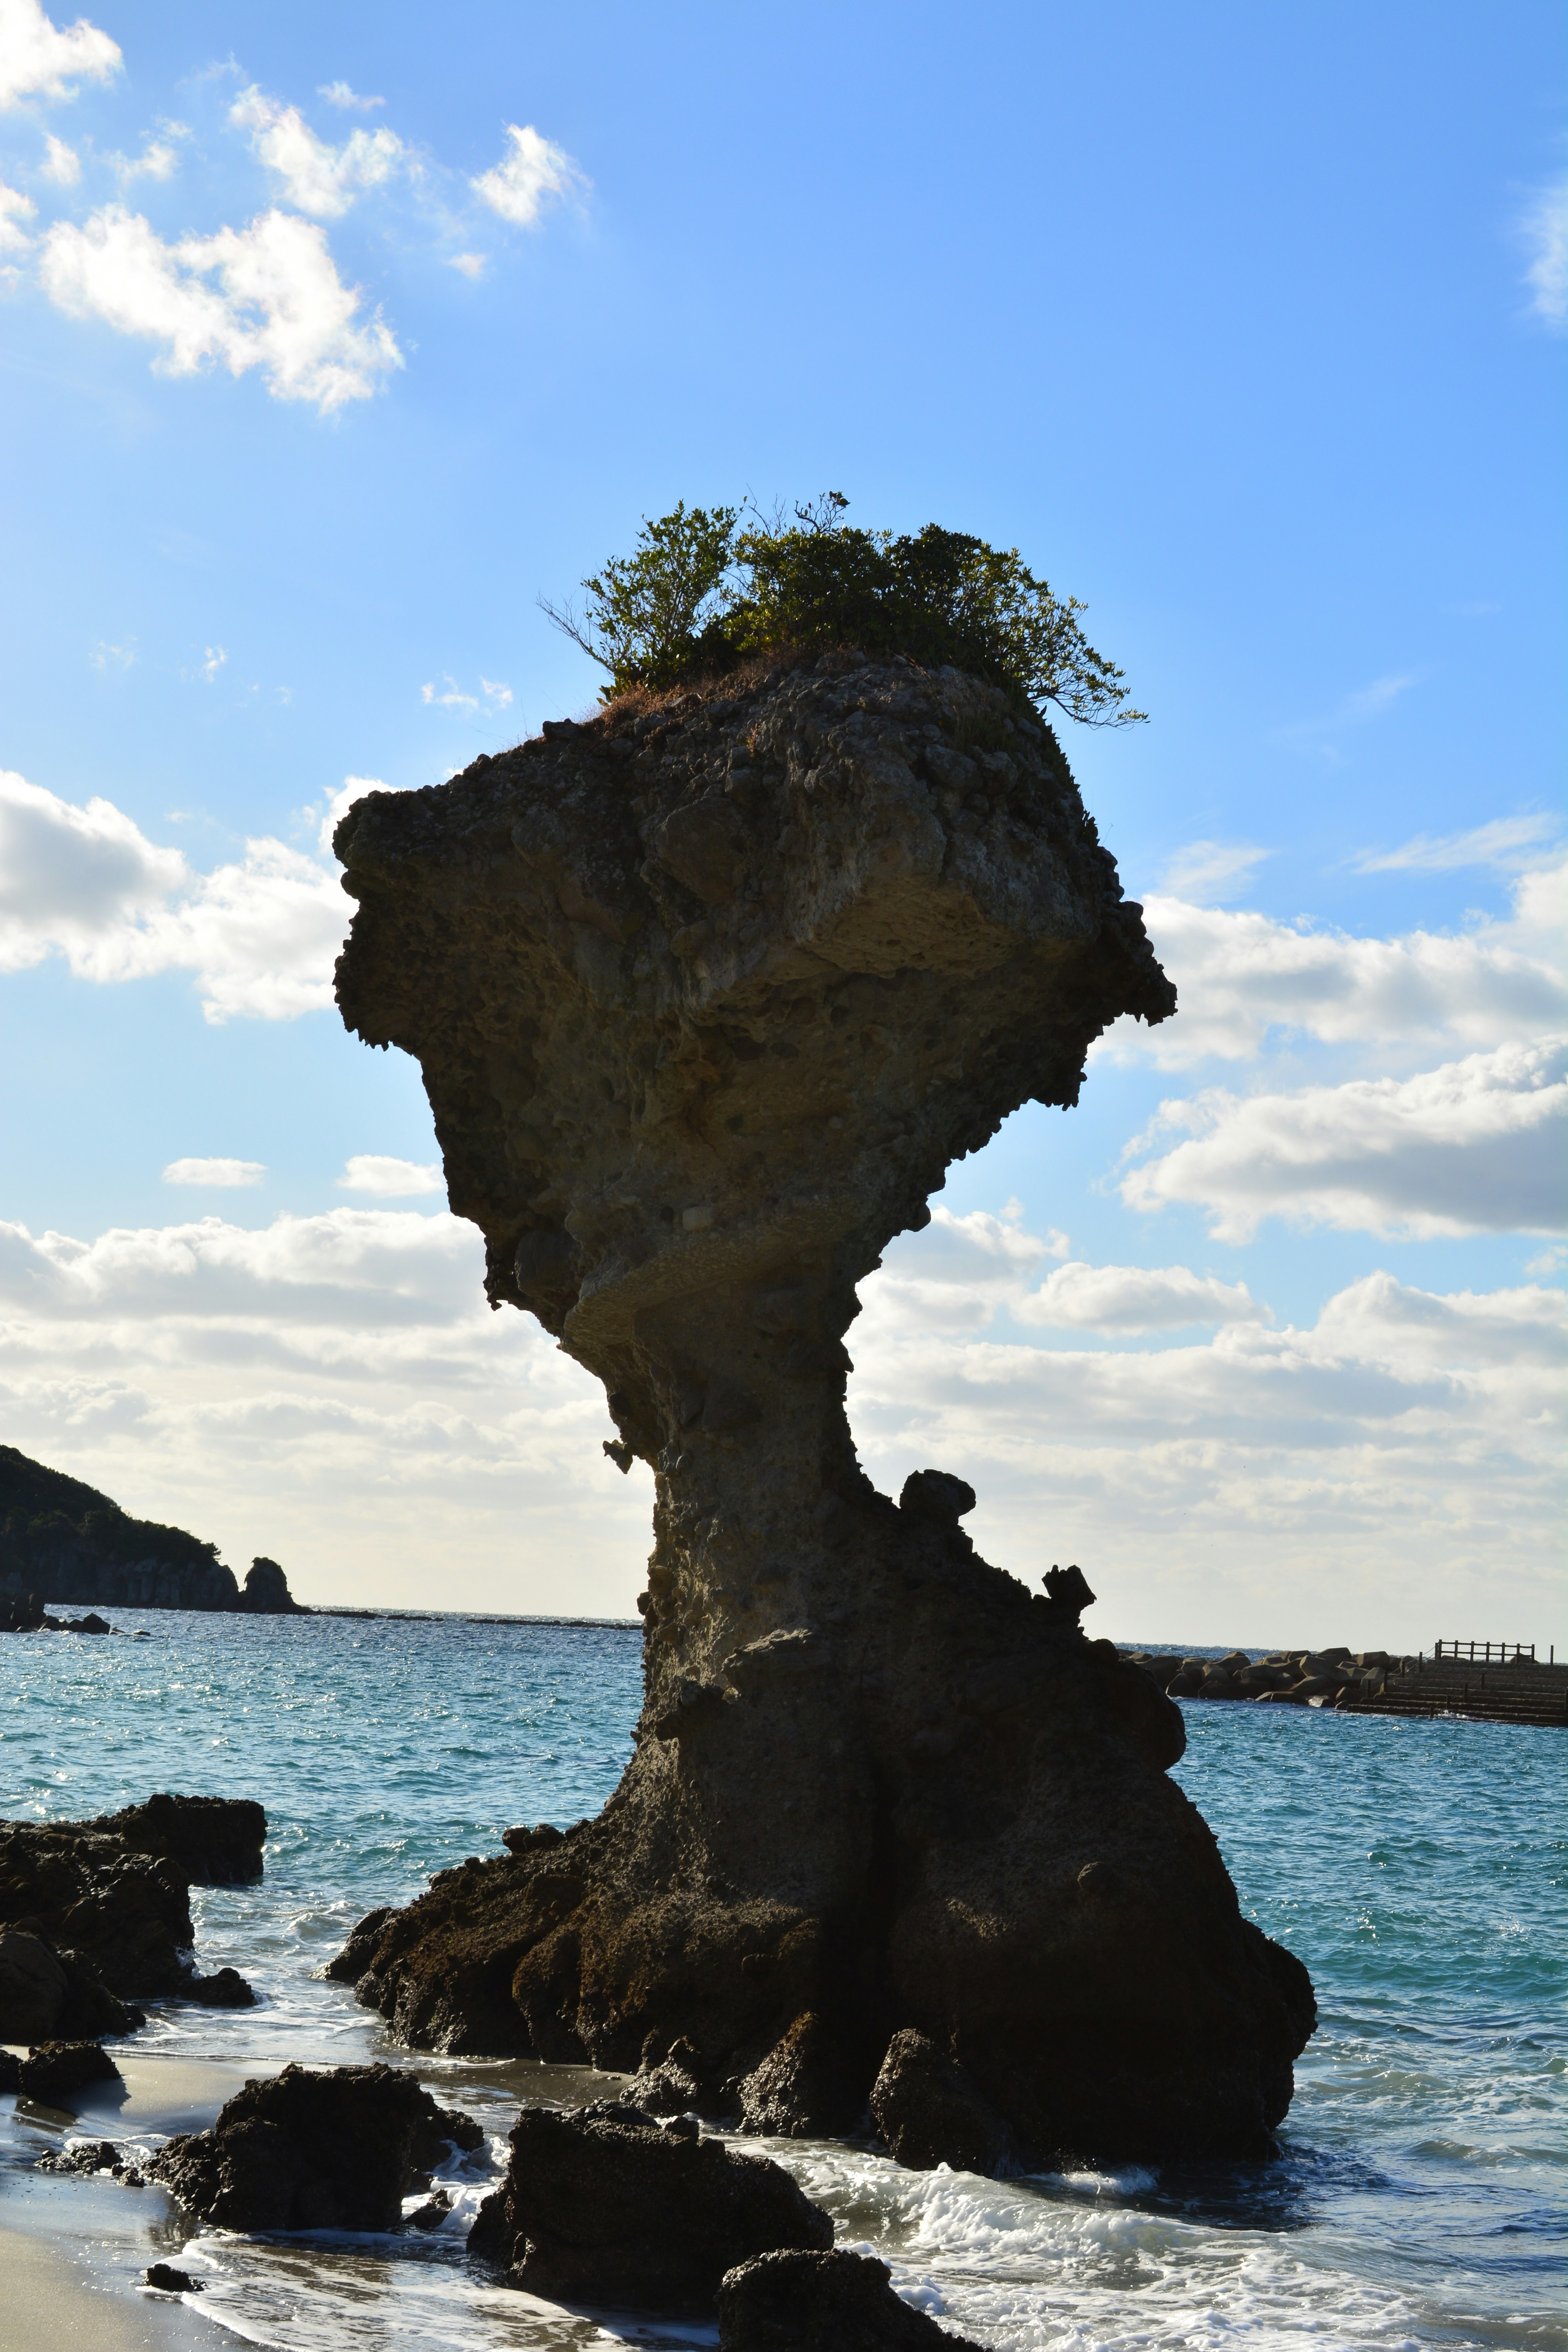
73,2252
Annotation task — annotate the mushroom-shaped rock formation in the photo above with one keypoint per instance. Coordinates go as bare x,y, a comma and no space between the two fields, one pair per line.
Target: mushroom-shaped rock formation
707,996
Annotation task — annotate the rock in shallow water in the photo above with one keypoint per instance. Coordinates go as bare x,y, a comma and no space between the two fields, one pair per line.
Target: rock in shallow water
338,2150
707,995
109,1900
604,2207
823,2303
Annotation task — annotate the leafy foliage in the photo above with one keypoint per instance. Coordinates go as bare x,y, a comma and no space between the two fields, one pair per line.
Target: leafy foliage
700,590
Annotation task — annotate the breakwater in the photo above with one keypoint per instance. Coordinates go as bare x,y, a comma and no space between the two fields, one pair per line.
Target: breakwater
1507,1688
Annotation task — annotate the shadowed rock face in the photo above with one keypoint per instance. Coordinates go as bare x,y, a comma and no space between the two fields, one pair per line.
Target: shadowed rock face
705,1005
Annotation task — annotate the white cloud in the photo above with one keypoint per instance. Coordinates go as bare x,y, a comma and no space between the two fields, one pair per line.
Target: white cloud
225,1174
1247,1487
107,657
1206,872
1509,842
1132,1299
338,804
15,209
259,934
61,164
1241,977
35,55
1474,1147
497,695
375,1171
331,1390
159,159
531,171
279,303
338,93
1372,701
453,699
317,177
969,1267
214,661
472,265
1545,228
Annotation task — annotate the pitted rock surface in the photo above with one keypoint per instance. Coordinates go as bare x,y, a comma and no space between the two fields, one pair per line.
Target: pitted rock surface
706,1000
336,2148
110,1899
604,2207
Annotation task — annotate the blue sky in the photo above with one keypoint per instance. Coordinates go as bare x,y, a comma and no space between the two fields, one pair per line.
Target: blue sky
334,337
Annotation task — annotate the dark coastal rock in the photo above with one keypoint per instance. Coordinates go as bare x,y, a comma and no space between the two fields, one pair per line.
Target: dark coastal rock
707,994
804,2087
823,2303
33,1987
348,1966
110,1896
83,2155
224,1988
604,2207
53,2070
168,2280
338,2150
211,1841
929,2111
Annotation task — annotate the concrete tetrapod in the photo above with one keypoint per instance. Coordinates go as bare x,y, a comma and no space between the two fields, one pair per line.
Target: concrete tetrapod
707,995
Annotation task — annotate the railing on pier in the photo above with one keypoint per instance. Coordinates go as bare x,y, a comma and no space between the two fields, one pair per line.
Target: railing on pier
1481,1653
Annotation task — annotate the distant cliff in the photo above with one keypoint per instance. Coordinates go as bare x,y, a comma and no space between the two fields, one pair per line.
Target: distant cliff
61,1540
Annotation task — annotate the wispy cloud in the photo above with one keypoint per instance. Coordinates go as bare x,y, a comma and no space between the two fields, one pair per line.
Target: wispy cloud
338,93
532,171
1509,842
266,297
214,662
225,1175
159,159
497,696
1372,701
1545,232
1206,872
320,179
15,209
61,164
107,657
36,57
472,265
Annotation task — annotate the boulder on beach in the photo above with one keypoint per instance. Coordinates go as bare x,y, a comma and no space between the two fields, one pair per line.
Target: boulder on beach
53,2071
338,2150
47,1993
836,2302
606,2207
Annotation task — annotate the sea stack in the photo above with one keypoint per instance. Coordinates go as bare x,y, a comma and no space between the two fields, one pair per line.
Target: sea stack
707,995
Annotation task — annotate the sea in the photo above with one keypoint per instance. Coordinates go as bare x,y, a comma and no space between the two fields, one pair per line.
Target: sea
1416,1867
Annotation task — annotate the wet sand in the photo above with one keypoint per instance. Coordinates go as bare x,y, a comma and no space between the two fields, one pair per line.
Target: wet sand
49,2306
73,2252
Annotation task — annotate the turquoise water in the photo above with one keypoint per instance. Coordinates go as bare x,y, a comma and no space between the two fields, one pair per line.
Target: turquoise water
1417,1868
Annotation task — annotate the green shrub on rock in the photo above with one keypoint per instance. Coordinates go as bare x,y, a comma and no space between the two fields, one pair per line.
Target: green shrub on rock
699,593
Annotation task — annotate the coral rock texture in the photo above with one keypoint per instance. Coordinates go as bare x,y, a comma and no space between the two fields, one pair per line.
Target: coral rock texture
707,996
